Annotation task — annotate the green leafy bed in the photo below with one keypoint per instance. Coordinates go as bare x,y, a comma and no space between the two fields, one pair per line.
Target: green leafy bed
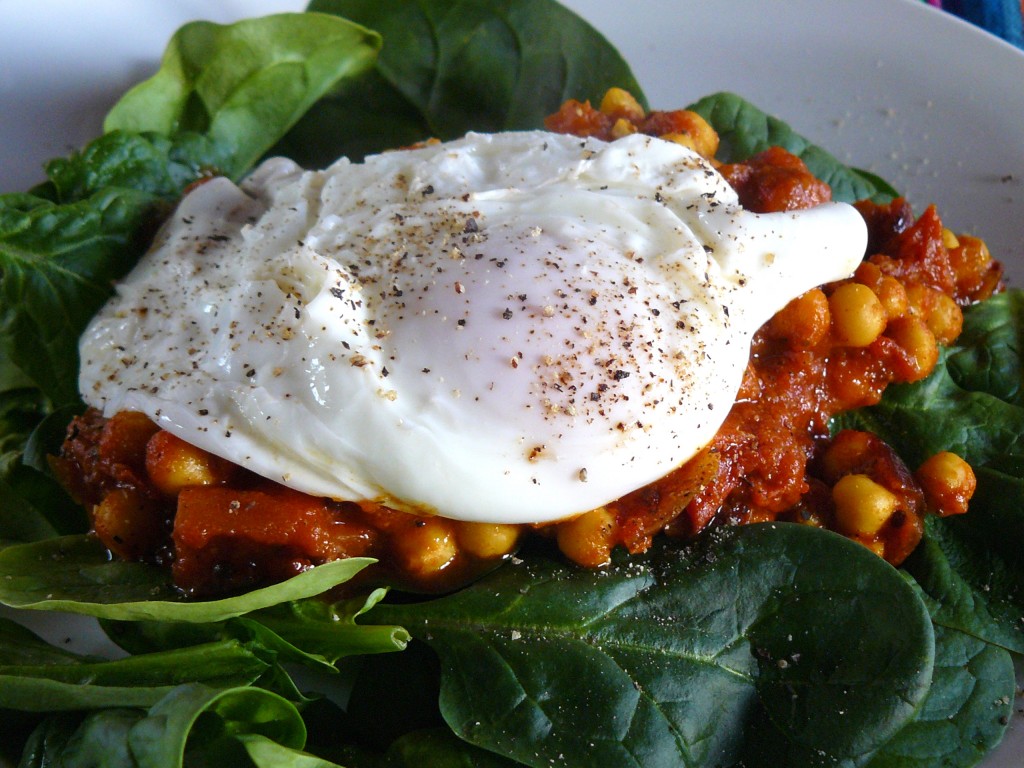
770,645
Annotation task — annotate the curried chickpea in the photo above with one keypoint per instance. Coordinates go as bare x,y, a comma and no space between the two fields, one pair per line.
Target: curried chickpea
803,322
487,540
588,538
849,450
129,523
893,296
945,320
862,505
948,483
426,547
622,127
914,337
858,317
888,289
172,464
622,104
939,311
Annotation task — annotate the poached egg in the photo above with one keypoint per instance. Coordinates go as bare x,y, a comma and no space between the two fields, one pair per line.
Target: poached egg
508,328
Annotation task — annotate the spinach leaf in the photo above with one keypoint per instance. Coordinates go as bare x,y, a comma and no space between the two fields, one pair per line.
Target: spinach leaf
135,681
76,574
969,586
668,659
267,753
57,265
244,85
967,709
989,355
310,632
149,163
452,66
193,723
439,748
326,632
745,130
29,499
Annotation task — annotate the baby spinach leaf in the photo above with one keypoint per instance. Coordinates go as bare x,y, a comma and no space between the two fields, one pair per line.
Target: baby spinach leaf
667,659
439,748
954,410
140,681
311,632
33,505
967,709
20,645
969,586
160,737
267,753
27,498
145,162
452,66
320,631
62,248
971,567
38,677
989,355
224,95
193,724
98,738
57,264
962,718
244,85
87,581
745,130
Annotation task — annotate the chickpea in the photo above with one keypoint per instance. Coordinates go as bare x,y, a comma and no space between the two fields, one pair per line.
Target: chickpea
621,103
893,296
683,139
487,540
946,320
804,321
862,505
914,337
173,464
939,311
849,450
858,317
588,538
948,483
888,289
622,127
701,143
705,138
128,523
425,547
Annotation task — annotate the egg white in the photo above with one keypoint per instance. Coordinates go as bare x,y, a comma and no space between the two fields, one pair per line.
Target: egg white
506,328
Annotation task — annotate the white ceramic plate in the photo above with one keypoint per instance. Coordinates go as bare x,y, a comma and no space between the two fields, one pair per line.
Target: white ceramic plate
932,104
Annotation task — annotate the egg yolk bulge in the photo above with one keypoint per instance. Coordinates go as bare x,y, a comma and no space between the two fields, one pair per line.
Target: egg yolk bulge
505,328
